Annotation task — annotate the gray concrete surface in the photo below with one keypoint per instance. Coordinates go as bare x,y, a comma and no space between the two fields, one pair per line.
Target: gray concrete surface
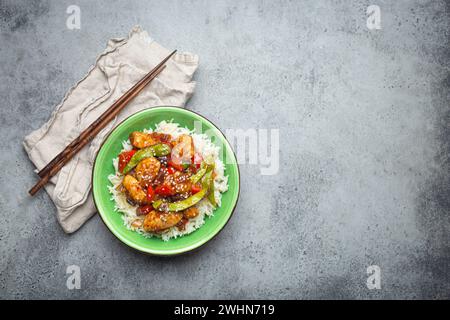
364,128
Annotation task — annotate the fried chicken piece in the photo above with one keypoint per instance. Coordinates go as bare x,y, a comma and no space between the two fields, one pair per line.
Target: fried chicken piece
191,212
142,140
157,221
147,170
134,190
179,182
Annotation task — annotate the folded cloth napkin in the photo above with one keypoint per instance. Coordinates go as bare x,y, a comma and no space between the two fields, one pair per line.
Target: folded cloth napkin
124,62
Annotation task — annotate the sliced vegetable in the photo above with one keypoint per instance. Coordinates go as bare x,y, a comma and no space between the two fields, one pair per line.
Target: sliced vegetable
170,170
183,204
208,183
211,194
150,193
157,204
209,160
164,190
206,180
196,177
196,188
153,151
124,158
177,166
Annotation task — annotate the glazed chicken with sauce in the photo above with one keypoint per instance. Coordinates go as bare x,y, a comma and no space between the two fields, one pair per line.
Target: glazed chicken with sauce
165,178
147,170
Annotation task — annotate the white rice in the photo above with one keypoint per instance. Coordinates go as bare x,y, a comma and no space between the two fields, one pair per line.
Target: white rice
203,146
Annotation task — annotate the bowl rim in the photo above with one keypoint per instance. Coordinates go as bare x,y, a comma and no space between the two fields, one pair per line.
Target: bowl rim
174,252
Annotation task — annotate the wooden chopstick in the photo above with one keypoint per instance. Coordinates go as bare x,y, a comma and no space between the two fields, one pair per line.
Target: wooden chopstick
68,155
88,134
88,130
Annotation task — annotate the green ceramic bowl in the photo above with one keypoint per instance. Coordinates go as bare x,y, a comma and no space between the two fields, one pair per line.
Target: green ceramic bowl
103,167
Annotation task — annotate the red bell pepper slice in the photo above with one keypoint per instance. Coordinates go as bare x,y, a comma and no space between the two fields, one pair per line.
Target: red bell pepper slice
170,170
164,190
196,188
177,166
124,158
150,193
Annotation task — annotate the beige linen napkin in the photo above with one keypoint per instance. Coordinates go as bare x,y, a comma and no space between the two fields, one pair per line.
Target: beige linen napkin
121,65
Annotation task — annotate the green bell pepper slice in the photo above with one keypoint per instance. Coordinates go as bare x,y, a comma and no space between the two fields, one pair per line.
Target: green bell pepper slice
157,150
182,204
211,195
196,177
208,183
200,173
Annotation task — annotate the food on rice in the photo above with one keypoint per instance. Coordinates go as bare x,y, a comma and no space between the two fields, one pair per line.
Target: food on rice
167,181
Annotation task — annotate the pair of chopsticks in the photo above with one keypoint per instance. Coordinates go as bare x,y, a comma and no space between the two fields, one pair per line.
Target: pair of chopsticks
90,132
